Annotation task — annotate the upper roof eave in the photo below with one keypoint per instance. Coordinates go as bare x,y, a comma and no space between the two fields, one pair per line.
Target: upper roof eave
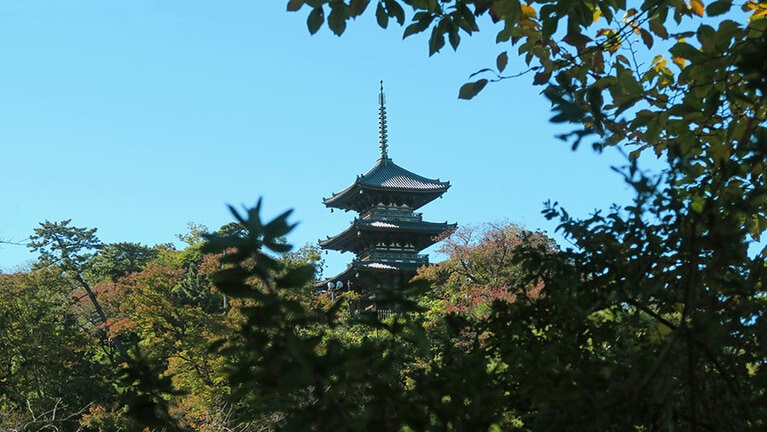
386,176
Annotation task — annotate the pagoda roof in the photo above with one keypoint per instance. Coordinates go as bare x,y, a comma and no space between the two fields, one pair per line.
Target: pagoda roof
384,178
357,269
420,233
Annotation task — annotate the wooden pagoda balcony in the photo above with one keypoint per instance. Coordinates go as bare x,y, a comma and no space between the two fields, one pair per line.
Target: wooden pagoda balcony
395,257
391,214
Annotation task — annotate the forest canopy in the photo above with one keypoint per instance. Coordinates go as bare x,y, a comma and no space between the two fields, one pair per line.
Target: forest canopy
650,316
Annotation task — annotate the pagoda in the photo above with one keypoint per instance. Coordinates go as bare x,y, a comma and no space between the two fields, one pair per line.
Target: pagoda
387,236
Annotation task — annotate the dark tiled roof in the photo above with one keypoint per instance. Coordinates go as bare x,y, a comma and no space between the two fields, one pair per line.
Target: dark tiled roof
422,233
387,174
359,267
388,177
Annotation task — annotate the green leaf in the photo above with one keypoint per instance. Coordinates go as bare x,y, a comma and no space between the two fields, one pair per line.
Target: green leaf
541,77
454,37
595,100
337,18
294,5
437,39
278,247
357,7
315,20
550,24
418,26
395,11
756,226
718,7
646,38
607,13
658,28
279,226
502,9
296,277
707,38
501,61
469,90
698,204
685,50
465,18
577,40
381,16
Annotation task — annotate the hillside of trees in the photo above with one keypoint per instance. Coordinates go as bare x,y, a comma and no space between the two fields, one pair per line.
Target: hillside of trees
650,316
221,335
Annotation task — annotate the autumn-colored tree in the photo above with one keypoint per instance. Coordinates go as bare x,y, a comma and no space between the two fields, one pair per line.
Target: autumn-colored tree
480,267
653,319
154,322
48,373
174,335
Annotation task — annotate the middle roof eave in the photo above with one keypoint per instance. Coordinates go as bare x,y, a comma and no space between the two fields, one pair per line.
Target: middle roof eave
429,229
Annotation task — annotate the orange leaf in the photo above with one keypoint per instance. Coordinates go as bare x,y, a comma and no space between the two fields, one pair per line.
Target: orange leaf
697,7
528,11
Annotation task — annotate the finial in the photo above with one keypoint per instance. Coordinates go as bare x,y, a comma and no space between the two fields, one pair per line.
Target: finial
382,132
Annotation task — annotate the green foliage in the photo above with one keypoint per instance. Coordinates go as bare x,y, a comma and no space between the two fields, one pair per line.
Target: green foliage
67,247
480,268
146,331
70,250
119,259
650,322
47,374
296,364
653,320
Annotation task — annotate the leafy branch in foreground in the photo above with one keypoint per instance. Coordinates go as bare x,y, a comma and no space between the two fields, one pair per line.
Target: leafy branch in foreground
287,365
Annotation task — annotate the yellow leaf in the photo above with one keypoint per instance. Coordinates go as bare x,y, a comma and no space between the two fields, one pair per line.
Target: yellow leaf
528,11
697,7
663,329
605,32
754,6
597,14
679,61
760,12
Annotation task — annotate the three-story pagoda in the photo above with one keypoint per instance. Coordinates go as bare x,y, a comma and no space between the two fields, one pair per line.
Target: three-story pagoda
388,235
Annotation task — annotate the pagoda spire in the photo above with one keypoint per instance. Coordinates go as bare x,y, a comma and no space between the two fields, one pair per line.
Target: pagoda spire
383,141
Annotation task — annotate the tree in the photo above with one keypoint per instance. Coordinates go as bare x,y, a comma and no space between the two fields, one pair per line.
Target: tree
173,335
287,366
70,250
646,323
653,319
480,266
115,260
48,375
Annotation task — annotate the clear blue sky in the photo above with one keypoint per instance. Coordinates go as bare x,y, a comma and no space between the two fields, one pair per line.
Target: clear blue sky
138,117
